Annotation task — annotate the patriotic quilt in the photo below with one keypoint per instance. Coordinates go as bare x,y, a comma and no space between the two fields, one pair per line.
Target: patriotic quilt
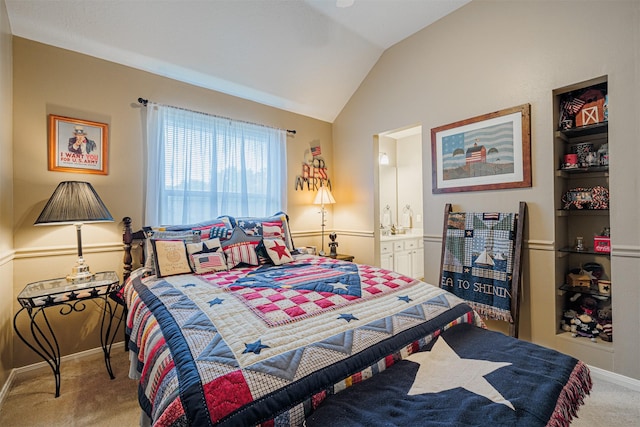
467,376
478,261
265,345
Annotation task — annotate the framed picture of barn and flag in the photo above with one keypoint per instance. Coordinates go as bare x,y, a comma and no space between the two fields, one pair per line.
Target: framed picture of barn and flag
488,152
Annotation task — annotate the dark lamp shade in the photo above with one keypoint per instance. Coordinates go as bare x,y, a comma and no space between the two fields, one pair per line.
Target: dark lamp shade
74,202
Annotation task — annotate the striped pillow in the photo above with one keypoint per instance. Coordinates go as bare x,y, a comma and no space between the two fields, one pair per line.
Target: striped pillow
238,253
272,230
241,248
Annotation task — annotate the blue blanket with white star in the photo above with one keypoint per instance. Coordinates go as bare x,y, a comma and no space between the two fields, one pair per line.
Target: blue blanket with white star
468,376
262,345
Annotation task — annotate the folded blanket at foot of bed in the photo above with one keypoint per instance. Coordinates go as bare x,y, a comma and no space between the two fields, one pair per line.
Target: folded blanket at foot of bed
467,377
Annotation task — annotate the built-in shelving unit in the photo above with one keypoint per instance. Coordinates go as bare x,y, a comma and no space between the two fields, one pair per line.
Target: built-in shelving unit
582,176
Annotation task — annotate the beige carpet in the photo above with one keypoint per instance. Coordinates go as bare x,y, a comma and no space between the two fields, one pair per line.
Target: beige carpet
89,398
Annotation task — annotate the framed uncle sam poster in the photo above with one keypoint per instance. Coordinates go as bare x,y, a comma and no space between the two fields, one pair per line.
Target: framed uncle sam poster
78,146
488,152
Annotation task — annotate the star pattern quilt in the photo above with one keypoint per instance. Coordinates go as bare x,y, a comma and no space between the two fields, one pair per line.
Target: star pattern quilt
265,345
467,376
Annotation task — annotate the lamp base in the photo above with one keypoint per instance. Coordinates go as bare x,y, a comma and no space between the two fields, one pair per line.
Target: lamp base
80,272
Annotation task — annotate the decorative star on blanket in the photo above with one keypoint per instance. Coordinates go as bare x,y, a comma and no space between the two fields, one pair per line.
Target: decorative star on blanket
255,347
442,369
348,317
340,286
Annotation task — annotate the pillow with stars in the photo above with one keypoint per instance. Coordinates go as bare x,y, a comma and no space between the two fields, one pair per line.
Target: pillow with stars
241,248
277,251
207,256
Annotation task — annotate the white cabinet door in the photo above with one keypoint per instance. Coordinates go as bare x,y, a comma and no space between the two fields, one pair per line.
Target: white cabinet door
417,262
386,261
386,255
402,262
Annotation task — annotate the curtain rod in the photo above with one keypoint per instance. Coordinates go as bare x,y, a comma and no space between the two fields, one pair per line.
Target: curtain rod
144,102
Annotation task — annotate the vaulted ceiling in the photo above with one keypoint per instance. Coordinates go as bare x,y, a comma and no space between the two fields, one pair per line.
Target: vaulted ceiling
304,56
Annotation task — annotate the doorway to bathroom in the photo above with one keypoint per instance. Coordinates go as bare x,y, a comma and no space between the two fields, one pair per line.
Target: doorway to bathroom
399,206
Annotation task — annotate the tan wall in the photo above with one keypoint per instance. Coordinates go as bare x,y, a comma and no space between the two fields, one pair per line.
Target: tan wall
6,198
484,57
49,80
488,56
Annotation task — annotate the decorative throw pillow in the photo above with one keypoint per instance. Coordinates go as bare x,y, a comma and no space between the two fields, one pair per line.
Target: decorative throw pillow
163,234
209,245
241,248
207,256
220,227
254,226
221,233
263,257
277,251
272,230
170,257
208,262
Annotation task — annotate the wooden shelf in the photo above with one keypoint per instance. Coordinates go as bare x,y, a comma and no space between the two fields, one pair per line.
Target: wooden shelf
590,172
583,212
588,130
598,345
583,290
586,251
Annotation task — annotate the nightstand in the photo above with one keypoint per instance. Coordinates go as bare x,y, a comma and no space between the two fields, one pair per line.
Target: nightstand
69,297
341,257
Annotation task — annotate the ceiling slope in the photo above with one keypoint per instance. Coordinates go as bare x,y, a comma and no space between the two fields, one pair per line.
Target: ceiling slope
307,56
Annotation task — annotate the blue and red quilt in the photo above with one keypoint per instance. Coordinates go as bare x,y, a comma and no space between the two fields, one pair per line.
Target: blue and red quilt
264,345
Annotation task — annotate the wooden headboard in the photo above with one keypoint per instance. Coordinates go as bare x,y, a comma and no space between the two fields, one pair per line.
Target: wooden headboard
130,238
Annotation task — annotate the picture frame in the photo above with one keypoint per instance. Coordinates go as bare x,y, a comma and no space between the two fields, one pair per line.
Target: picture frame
78,146
487,152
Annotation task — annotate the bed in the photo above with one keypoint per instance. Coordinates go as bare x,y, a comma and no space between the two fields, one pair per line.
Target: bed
229,325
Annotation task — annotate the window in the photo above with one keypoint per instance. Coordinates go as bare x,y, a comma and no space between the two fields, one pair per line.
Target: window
202,166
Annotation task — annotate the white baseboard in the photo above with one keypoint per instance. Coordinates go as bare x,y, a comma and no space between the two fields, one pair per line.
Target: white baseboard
612,377
15,372
7,385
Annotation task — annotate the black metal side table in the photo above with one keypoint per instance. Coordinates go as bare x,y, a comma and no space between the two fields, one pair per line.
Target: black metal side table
37,297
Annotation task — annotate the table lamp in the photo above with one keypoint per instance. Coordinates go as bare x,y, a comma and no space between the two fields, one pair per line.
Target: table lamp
75,202
323,197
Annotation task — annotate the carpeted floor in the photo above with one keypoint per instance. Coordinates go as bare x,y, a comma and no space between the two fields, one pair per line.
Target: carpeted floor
609,404
89,398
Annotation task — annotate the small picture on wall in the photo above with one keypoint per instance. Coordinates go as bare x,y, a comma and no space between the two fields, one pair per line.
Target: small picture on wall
78,146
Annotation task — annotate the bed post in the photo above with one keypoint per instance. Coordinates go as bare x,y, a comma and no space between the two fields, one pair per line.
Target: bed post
127,238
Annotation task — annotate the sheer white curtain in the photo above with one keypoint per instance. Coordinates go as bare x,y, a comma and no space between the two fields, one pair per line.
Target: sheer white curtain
202,166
